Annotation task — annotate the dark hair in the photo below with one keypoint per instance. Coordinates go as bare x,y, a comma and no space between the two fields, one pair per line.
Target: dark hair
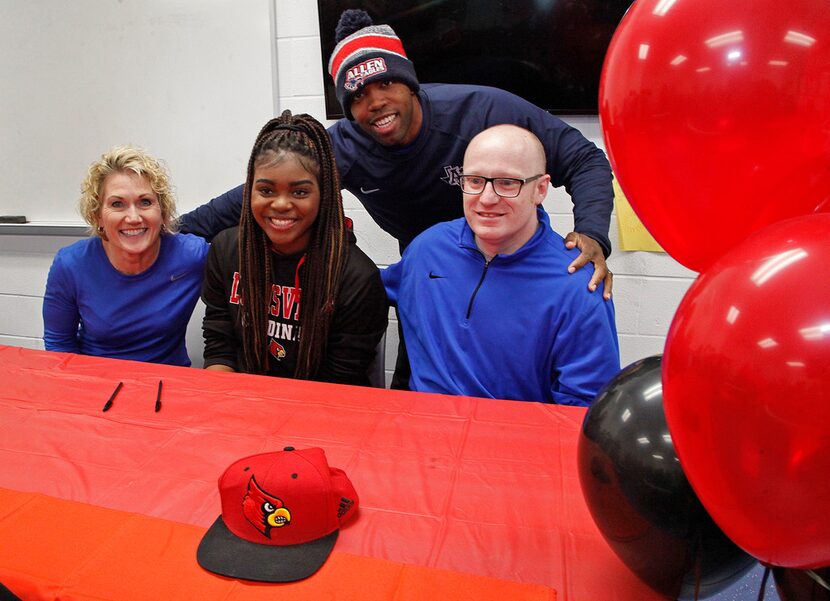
321,270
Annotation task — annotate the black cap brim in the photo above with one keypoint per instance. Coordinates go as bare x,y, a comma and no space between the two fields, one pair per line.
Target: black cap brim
224,553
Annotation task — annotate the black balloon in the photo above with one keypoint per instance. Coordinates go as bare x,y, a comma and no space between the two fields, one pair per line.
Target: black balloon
802,585
640,498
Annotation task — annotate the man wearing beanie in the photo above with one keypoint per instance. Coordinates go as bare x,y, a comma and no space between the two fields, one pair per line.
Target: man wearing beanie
400,148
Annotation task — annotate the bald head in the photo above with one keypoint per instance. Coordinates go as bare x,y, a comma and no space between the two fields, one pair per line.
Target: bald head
518,150
510,161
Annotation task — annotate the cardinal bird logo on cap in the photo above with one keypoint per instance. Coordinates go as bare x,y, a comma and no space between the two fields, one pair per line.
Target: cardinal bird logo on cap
263,510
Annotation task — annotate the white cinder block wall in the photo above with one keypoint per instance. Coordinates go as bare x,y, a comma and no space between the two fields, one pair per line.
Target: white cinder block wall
647,286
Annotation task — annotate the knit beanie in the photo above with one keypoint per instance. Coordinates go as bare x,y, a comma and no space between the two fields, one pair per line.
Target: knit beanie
366,52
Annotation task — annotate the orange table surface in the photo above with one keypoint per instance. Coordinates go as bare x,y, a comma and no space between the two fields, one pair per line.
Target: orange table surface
88,552
457,484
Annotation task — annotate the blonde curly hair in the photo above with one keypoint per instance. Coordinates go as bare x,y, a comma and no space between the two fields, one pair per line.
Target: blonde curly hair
127,158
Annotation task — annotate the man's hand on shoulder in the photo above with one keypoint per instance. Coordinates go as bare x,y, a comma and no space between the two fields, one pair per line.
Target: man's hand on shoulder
590,251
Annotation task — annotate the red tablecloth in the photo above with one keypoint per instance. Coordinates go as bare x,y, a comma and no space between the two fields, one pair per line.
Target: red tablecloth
475,486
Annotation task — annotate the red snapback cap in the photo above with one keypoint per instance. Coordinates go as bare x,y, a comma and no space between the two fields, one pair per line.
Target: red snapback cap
281,514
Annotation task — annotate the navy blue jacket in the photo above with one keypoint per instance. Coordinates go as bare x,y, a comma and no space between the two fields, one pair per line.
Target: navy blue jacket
406,190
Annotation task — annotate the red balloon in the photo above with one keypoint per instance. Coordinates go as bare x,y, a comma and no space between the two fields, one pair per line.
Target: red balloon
716,117
746,386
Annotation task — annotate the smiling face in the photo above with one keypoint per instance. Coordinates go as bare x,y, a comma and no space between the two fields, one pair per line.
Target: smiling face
503,225
388,111
285,201
131,219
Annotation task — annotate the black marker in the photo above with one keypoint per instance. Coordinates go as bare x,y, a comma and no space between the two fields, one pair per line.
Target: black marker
158,398
108,404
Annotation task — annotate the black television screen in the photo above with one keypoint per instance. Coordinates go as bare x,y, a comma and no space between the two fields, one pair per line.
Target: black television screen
550,52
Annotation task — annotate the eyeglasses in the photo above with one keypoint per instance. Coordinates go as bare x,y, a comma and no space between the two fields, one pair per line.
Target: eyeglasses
506,187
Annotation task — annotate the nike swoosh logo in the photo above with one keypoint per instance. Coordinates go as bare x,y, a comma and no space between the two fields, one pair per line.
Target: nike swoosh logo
177,276
368,191
434,276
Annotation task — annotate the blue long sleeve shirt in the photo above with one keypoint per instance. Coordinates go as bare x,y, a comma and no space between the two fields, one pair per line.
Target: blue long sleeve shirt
517,327
92,309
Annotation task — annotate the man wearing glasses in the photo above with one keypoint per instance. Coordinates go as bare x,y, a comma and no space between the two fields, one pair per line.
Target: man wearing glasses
487,306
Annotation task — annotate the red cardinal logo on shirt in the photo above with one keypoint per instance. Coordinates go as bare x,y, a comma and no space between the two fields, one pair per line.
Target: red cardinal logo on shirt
263,510
276,349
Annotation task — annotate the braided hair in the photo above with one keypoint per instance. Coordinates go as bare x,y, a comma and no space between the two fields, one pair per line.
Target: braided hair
305,140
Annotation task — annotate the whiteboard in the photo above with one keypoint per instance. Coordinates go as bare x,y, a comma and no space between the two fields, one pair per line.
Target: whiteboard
191,81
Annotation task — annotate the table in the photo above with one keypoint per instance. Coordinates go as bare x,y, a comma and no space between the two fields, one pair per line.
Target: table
461,492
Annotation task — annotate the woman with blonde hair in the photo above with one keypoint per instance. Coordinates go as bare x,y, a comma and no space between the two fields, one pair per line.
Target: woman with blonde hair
128,291
288,293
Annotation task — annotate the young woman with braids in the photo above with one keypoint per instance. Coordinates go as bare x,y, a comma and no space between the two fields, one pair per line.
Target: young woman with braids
287,292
